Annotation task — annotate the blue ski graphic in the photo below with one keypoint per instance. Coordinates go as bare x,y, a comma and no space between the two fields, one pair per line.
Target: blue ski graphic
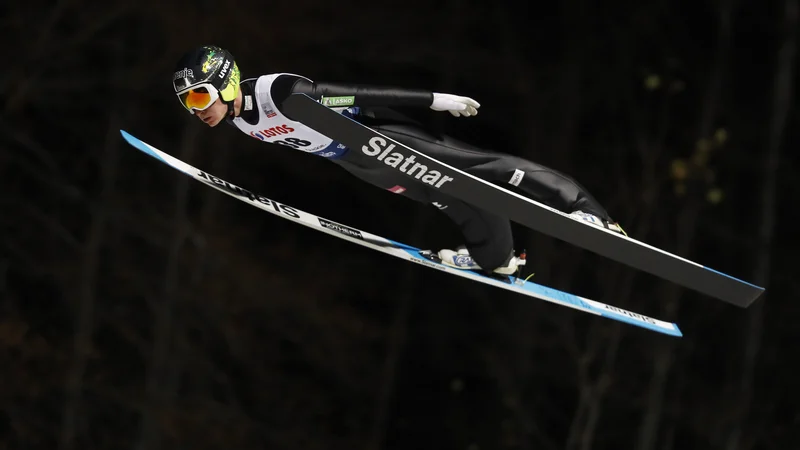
400,250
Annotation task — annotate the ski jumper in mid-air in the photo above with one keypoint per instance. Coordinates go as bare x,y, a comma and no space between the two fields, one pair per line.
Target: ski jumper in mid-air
208,84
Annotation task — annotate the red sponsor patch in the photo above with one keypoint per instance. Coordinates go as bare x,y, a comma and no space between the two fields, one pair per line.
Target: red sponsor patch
398,189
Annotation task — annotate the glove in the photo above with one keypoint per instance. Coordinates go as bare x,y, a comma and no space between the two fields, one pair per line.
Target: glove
455,105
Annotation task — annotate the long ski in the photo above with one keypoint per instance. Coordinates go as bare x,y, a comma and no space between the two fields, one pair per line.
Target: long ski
379,150
401,250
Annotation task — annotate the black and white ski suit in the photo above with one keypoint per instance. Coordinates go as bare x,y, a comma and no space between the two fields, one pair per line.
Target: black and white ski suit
487,236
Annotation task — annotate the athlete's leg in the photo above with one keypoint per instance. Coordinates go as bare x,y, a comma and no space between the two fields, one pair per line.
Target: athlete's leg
487,236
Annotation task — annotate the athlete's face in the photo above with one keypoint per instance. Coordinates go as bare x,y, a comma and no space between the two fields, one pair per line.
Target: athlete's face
214,114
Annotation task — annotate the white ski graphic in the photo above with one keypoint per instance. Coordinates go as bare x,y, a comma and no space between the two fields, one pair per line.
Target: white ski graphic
400,250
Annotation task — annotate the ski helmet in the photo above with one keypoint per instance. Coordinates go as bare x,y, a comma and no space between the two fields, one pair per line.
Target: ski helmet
204,74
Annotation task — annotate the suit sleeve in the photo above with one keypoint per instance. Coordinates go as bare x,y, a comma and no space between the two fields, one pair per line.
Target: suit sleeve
364,95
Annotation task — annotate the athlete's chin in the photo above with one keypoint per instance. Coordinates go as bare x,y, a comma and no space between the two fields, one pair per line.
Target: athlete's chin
212,122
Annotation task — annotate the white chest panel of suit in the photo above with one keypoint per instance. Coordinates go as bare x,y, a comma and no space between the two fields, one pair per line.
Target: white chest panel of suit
274,127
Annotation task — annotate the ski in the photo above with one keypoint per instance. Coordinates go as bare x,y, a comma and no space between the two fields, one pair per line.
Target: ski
380,150
400,250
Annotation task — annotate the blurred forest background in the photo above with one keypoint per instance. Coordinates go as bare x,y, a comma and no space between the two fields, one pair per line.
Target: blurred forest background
143,310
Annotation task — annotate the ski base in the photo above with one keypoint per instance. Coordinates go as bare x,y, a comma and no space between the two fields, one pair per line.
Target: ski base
404,251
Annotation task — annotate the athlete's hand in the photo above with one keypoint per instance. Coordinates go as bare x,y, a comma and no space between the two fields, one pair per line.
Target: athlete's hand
455,105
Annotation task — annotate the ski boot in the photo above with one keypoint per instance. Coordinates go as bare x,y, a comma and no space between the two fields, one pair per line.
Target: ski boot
598,222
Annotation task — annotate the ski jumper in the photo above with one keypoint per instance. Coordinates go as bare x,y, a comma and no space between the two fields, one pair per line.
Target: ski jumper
487,236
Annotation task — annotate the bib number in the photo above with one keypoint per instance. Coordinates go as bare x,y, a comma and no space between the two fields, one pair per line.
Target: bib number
293,142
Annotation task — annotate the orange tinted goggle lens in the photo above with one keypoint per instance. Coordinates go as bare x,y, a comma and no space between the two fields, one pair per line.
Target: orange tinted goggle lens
199,100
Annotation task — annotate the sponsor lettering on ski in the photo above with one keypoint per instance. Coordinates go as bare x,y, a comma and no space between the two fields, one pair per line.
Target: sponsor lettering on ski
378,148
244,193
632,315
347,231
430,264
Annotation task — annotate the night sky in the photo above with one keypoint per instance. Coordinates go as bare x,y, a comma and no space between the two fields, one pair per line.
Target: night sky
143,310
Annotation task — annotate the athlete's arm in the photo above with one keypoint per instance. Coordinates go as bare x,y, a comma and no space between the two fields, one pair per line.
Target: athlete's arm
366,95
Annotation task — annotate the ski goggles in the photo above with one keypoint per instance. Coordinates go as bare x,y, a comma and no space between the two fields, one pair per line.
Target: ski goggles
199,97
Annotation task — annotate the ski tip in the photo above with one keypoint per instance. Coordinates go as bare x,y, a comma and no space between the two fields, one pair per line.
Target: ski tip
140,145
739,293
130,138
735,279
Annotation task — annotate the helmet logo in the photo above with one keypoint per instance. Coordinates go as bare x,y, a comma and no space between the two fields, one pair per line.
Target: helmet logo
225,68
184,73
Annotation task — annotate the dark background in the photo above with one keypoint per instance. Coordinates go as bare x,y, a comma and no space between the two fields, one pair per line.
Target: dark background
143,310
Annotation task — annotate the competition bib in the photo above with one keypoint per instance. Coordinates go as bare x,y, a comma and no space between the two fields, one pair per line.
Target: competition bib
276,128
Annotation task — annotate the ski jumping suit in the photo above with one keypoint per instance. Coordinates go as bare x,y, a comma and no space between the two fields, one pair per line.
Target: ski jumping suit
487,236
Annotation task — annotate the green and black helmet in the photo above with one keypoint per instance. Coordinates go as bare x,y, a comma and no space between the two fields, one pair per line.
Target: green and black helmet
204,74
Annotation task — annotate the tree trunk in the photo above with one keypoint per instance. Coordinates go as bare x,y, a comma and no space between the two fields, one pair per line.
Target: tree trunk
664,357
781,104
394,352
84,319
160,376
